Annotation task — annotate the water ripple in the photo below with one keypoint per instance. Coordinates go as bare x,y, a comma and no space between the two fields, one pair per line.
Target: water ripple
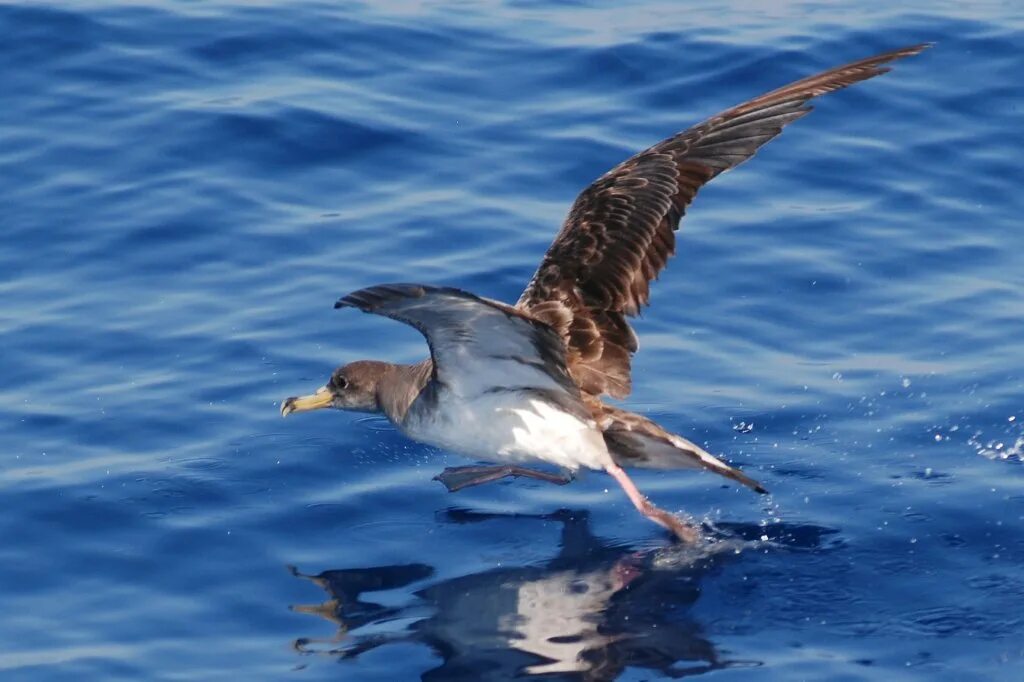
189,186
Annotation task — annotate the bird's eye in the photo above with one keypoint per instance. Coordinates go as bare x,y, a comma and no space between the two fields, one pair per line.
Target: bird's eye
340,382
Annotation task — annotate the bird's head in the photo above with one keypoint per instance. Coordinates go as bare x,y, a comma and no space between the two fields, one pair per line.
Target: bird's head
351,387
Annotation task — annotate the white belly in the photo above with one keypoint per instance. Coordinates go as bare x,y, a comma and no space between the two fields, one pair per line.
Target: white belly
509,427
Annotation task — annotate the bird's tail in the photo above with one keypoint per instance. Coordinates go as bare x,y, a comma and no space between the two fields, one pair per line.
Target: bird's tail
636,441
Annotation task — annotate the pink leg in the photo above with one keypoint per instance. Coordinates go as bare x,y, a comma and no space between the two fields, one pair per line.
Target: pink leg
683,530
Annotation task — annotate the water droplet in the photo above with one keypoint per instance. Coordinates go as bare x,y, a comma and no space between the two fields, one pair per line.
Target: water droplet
905,382
838,376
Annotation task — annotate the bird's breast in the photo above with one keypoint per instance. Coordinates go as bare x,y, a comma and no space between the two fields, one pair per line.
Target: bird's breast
508,426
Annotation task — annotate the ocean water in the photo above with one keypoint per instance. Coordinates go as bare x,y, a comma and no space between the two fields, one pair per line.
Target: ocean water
186,188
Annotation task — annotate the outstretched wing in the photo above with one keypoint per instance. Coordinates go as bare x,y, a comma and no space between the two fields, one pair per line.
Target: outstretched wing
619,233
477,346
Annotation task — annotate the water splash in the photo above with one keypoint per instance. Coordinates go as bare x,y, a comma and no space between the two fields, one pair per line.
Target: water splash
998,448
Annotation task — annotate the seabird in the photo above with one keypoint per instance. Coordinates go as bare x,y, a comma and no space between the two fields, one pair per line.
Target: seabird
522,384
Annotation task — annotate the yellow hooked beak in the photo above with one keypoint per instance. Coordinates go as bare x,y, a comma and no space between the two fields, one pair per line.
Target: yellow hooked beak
304,403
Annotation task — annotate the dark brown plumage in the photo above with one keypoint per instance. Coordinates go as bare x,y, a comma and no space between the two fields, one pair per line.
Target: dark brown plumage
620,231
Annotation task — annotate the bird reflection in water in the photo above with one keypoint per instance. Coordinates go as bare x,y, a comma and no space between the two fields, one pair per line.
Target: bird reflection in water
587,614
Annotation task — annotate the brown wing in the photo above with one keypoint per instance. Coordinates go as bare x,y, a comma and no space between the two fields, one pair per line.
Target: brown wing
619,233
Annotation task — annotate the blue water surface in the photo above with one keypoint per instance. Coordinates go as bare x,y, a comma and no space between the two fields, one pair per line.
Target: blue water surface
186,187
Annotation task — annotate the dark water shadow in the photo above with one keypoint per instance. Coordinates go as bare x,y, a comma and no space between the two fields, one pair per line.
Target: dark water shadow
588,613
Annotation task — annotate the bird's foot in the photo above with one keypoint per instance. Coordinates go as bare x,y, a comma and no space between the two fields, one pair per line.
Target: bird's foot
686,532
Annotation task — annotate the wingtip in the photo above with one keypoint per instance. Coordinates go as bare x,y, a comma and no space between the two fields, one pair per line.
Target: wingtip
370,299
908,51
356,299
903,52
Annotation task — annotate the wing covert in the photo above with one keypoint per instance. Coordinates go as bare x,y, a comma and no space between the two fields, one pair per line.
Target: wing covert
476,345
